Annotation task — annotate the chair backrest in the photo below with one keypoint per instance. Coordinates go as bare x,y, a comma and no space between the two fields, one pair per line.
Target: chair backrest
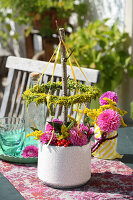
18,79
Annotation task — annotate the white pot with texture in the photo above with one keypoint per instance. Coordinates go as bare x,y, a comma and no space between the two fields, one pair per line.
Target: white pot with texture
64,167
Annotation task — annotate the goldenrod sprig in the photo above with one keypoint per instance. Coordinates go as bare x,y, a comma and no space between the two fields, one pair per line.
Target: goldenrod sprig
37,95
37,134
94,113
64,133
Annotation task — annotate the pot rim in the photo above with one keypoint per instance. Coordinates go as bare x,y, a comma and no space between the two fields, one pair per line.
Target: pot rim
71,146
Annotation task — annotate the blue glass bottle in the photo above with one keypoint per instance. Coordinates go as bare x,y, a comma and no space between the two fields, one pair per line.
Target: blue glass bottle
34,115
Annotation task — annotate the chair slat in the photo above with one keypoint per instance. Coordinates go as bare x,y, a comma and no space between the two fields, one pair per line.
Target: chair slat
15,93
38,66
28,83
7,92
59,109
20,94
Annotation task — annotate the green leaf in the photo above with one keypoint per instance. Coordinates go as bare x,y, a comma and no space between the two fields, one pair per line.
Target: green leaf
34,129
127,61
56,126
130,71
70,125
28,31
16,36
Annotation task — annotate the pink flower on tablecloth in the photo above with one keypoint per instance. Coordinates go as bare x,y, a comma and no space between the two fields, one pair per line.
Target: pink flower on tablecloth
51,128
77,138
30,151
110,95
109,121
45,138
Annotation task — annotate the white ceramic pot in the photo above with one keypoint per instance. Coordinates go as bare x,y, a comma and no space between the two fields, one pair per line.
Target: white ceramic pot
64,167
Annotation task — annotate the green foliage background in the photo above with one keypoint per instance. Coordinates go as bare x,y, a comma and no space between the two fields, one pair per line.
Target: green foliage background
25,12
104,48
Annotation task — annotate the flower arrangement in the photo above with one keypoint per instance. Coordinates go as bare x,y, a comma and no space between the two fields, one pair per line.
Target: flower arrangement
58,134
71,131
64,145
108,116
106,120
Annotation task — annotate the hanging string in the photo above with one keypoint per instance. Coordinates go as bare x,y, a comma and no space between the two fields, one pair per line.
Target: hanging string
56,50
70,62
81,115
56,61
51,83
87,82
72,73
57,53
80,69
48,62
50,138
77,63
30,119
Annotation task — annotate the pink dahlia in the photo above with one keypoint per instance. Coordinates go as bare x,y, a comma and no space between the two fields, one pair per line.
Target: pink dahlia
110,95
51,128
76,139
30,151
109,121
57,121
91,131
45,138
83,128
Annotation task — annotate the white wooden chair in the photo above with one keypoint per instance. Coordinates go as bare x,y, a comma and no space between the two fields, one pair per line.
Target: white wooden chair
18,80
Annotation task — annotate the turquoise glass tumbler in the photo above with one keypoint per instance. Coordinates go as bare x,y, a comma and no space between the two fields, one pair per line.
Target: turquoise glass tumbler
12,135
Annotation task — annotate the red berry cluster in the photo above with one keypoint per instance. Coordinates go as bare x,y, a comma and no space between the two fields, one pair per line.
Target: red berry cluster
63,142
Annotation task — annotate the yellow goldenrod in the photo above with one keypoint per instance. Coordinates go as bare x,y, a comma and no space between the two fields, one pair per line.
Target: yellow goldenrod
37,134
71,118
64,133
94,113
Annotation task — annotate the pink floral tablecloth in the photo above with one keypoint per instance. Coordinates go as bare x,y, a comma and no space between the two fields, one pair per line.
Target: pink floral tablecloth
110,180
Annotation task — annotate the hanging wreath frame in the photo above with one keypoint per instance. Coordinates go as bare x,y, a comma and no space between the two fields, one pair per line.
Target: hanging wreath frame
43,94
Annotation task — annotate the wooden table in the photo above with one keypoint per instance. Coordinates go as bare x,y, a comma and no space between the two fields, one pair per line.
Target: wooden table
111,179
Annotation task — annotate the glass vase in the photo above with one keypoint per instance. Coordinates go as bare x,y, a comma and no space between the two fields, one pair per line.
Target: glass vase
12,135
34,115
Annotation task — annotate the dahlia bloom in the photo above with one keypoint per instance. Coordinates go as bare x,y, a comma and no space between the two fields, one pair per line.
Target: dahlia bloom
45,138
30,151
77,139
57,121
83,128
109,121
110,95
91,131
51,128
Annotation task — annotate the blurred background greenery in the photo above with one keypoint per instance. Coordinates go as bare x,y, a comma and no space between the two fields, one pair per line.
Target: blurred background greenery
98,45
105,48
42,14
